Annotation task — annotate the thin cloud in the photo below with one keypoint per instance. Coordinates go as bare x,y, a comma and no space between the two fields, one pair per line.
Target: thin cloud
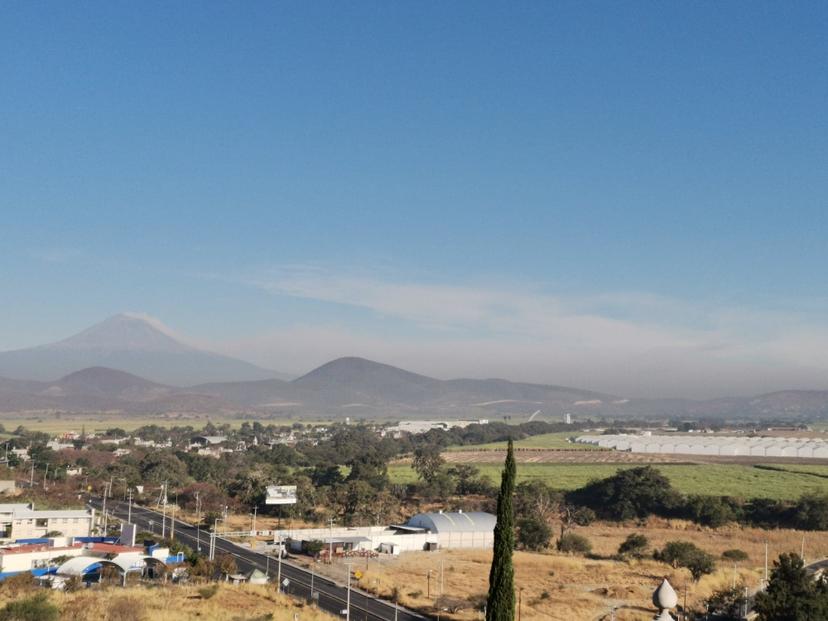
629,343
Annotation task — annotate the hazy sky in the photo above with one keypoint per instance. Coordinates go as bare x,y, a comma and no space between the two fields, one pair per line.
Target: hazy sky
621,196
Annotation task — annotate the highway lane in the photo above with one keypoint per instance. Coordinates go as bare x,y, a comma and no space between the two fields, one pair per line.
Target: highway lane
332,597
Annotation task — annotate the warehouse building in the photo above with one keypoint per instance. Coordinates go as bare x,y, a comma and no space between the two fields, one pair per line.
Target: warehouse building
424,531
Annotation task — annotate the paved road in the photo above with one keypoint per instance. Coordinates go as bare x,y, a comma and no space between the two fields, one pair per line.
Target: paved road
332,596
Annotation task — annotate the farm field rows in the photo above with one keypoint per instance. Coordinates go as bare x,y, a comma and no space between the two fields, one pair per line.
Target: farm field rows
542,441
708,479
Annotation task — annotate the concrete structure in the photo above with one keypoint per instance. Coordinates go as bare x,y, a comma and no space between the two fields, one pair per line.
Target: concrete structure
21,521
708,444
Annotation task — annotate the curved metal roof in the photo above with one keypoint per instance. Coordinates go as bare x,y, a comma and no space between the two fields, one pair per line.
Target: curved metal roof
82,565
474,522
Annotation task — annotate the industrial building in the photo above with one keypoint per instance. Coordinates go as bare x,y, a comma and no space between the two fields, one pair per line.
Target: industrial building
424,531
704,444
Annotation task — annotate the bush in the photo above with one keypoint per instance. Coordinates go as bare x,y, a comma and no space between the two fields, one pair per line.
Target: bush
686,554
34,608
18,583
534,533
735,556
635,546
208,591
574,543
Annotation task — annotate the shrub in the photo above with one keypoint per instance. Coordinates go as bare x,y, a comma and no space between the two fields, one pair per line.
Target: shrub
635,546
207,592
574,543
534,533
34,608
19,583
735,556
127,609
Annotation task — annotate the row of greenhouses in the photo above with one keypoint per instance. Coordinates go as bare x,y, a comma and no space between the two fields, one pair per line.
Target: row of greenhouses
758,446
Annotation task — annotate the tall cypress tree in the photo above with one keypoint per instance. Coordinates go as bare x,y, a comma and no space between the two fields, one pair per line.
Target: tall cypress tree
500,605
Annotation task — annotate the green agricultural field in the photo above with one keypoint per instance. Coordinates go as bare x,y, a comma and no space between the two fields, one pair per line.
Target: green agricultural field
709,479
543,441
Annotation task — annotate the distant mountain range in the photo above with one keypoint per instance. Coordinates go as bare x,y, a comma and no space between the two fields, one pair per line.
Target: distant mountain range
126,364
132,344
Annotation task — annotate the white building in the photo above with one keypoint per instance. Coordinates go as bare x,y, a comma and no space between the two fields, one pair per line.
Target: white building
424,531
21,521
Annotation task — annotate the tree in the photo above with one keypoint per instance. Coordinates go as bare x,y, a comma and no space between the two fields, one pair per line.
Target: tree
500,604
811,512
427,462
634,546
727,604
686,554
534,533
792,594
629,494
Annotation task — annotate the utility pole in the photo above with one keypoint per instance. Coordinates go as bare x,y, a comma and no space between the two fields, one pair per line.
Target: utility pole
802,552
255,509
766,563
348,600
198,525
279,569
45,474
129,508
31,478
104,510
330,543
164,510
172,521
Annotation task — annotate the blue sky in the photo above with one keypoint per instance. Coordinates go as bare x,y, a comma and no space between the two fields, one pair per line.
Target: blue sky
627,197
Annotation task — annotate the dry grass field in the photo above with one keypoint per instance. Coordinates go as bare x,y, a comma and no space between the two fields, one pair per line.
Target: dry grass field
559,587
178,603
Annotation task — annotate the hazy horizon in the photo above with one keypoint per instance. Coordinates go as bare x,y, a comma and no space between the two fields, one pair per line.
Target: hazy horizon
629,200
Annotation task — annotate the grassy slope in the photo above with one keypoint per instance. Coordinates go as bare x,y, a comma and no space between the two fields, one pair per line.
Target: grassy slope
711,479
175,603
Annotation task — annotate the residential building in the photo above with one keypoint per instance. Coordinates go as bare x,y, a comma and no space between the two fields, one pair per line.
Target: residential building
21,521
